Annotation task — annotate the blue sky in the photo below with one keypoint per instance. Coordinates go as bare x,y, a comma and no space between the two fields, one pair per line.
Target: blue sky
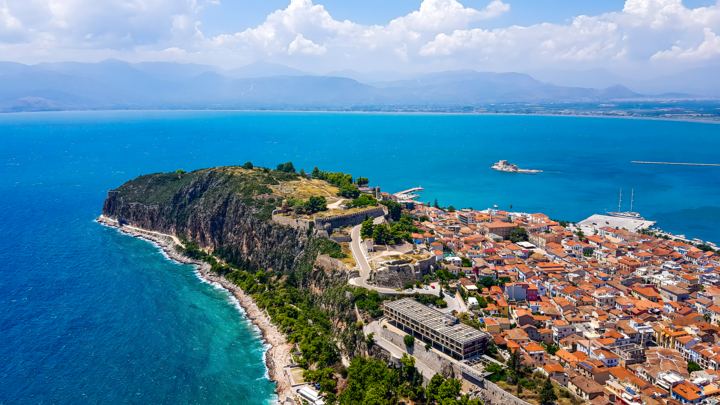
641,36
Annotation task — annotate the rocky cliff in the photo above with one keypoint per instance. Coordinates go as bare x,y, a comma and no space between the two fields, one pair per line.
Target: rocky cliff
225,210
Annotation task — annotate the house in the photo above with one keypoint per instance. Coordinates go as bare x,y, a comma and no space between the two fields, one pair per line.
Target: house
557,373
534,351
524,317
491,325
561,329
584,388
687,393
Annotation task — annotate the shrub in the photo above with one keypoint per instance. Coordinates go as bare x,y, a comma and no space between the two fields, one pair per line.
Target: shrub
248,165
428,346
409,340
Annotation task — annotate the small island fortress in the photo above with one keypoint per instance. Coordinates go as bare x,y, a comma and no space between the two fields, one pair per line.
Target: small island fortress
504,166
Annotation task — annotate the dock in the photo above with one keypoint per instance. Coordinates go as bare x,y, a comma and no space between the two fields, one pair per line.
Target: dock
672,163
407,194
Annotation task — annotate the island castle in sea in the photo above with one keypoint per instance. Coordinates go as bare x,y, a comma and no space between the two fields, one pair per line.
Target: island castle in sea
504,166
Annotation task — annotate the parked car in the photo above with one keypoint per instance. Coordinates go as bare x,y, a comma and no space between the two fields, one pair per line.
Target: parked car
433,287
425,287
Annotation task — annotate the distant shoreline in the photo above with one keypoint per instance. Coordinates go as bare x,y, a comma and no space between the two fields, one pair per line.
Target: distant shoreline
702,120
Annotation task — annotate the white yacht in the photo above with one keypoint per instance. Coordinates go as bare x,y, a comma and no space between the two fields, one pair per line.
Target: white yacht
627,214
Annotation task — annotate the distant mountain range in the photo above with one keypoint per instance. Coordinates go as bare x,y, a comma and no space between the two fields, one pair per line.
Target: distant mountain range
114,84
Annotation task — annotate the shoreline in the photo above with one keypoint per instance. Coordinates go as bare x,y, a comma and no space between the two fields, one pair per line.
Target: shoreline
709,120
278,355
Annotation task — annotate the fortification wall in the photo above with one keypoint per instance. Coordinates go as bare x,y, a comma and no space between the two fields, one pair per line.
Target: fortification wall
303,224
356,218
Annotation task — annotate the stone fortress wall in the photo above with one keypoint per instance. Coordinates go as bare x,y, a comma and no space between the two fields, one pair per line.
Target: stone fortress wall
326,225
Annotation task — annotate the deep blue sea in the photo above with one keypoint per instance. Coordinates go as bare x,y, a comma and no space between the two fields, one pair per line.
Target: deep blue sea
90,316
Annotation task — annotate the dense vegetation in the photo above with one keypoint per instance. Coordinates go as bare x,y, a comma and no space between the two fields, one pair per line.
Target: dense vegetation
340,180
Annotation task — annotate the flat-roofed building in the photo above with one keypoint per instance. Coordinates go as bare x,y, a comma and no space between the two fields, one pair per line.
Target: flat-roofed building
441,330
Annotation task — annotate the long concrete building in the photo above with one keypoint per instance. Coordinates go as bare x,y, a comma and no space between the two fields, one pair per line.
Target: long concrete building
441,330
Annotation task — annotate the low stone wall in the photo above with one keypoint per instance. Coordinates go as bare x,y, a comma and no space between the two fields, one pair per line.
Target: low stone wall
342,239
437,362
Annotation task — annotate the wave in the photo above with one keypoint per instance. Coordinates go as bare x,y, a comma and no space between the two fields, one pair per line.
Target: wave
233,300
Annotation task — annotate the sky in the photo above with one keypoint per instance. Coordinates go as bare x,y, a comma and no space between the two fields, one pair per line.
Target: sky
318,36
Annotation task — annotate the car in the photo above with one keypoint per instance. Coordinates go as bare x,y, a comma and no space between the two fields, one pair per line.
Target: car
433,287
317,386
425,287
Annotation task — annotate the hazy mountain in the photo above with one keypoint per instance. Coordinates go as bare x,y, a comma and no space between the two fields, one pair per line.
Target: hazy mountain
114,84
174,70
374,77
264,69
593,78
703,81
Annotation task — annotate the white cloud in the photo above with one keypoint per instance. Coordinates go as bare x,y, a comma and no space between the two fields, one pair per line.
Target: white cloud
709,48
305,46
438,35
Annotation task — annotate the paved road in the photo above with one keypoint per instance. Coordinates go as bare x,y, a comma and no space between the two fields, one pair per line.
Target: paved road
365,270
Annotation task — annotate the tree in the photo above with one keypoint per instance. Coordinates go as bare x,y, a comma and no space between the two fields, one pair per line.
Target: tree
302,172
451,209
547,393
367,228
433,387
316,204
180,171
409,340
248,165
514,363
466,262
316,173
580,234
361,181
394,209
519,234
494,368
349,191
692,366
424,218
436,205
381,234
287,167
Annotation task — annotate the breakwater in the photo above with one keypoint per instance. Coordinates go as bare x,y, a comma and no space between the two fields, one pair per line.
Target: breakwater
672,163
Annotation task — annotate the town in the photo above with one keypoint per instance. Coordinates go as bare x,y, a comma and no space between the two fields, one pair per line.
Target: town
608,313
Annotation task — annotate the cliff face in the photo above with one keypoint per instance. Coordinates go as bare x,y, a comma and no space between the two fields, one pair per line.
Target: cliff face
219,209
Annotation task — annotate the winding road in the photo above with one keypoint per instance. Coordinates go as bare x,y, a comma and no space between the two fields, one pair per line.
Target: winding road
365,270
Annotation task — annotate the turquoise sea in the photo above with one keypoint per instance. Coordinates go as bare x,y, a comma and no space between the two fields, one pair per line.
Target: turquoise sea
92,316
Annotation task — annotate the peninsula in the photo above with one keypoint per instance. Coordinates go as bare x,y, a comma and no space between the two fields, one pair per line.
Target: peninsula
366,297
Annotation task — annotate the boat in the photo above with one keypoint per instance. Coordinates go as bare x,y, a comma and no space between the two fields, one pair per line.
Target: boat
627,214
